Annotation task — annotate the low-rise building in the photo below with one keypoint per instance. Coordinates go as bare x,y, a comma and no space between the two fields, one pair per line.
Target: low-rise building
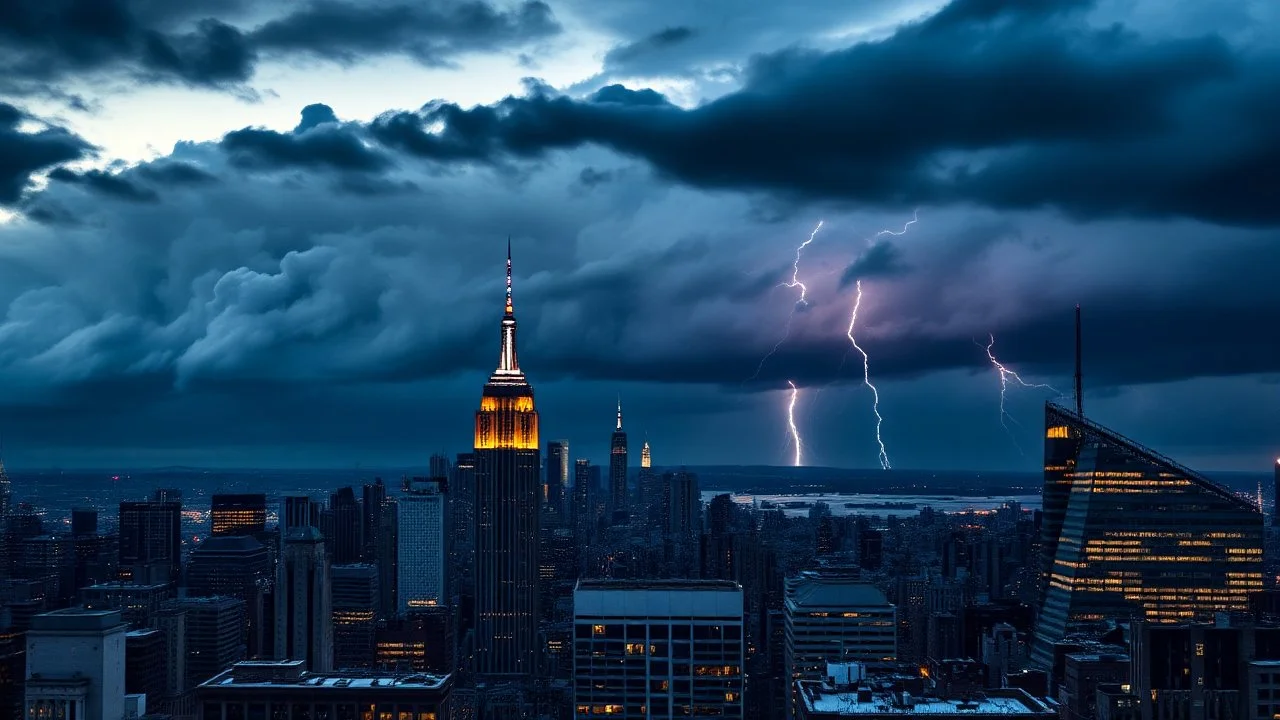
283,688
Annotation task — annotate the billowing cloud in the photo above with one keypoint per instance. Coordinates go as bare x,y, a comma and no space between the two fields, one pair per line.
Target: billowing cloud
1002,104
24,153
213,43
336,288
433,34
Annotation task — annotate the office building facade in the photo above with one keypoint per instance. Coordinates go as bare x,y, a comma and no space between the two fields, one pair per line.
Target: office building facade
355,614
76,665
658,649
421,543
238,514
835,618
1141,536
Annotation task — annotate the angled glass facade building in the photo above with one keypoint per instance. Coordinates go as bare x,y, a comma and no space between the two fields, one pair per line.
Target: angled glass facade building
1137,535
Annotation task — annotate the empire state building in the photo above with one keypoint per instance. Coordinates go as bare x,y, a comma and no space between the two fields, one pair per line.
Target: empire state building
507,487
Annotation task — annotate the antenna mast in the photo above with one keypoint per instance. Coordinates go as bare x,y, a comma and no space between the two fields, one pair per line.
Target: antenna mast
1079,377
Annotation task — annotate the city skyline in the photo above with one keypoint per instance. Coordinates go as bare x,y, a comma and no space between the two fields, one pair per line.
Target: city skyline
302,280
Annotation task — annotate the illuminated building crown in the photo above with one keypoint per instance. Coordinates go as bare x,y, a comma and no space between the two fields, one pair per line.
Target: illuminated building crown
507,418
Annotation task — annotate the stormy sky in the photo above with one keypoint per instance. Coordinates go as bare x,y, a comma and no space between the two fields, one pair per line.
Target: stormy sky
237,233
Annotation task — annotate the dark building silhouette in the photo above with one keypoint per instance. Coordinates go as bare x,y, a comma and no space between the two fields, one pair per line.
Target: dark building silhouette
238,567
242,514
151,539
374,496
507,492
343,538
618,469
84,521
1276,510
1141,536
297,512
1205,670
557,475
214,636
355,610
870,549
421,641
304,601
145,655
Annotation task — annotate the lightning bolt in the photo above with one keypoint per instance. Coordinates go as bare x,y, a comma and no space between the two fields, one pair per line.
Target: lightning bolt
866,376
791,423
915,218
799,303
1005,375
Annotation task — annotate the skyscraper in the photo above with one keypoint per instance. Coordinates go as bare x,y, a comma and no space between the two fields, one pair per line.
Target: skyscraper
1275,522
1142,537
304,601
151,539
242,514
344,539
421,542
507,490
355,610
557,475
618,468
296,513
648,484
6,488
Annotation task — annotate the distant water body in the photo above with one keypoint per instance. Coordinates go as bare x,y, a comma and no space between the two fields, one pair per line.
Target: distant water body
876,504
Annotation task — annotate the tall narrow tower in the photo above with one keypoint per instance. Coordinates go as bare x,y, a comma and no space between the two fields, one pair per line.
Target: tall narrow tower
507,491
618,468
6,488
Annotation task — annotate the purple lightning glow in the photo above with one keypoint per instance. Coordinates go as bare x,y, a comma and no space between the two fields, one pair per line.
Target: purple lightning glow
800,302
791,423
866,377
1005,375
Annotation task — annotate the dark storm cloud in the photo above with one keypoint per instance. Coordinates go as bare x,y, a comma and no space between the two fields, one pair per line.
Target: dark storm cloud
1002,104
201,44
880,260
103,182
624,55
591,177
174,173
50,41
23,154
319,141
431,33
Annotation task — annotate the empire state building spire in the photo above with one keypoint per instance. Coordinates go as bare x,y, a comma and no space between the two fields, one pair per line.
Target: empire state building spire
508,366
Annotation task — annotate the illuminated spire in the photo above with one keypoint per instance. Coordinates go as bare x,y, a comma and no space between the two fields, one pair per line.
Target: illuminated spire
508,366
619,412
646,458
510,311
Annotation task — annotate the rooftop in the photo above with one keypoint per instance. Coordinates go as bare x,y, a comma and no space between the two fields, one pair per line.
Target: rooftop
819,698
725,585
76,619
228,544
259,674
837,592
